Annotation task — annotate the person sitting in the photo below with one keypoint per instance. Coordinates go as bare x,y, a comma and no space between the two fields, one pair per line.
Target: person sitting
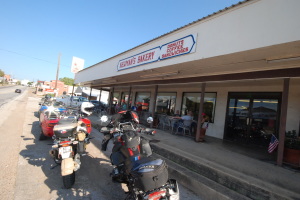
188,117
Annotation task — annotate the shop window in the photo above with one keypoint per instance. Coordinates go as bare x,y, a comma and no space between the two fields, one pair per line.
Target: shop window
124,97
142,101
116,98
191,102
165,103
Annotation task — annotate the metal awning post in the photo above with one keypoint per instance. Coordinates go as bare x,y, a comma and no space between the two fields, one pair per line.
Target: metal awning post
90,93
197,139
100,95
282,126
154,103
111,97
129,96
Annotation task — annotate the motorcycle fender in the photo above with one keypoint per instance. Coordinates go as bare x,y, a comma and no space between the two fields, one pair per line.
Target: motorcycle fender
67,166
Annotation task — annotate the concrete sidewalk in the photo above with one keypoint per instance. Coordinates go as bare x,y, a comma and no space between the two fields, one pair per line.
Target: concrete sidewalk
218,170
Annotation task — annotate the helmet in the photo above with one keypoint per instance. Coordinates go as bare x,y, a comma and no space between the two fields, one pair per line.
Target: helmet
86,108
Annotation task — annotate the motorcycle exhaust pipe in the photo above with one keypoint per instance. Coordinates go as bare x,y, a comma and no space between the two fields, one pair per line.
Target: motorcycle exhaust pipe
53,153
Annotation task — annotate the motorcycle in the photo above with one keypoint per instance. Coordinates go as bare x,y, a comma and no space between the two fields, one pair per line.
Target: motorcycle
145,176
71,136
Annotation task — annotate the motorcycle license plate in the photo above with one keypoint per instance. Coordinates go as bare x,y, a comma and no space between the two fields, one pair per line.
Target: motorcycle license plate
65,152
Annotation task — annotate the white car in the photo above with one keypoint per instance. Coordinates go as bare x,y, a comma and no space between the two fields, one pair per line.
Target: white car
73,101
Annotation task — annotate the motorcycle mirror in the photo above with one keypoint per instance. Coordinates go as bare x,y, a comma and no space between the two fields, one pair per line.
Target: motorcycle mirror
149,120
104,118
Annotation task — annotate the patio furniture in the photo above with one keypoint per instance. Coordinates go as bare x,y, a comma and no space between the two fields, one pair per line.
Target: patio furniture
185,126
164,121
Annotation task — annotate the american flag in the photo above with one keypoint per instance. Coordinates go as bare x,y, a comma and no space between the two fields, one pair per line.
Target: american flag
273,144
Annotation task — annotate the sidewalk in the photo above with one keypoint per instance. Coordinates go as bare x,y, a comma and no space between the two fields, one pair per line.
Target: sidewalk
219,167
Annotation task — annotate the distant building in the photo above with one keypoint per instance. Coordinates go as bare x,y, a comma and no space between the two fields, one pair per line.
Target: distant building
24,82
46,87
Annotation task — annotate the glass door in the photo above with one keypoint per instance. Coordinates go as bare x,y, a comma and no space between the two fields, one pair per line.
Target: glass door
237,118
252,117
263,122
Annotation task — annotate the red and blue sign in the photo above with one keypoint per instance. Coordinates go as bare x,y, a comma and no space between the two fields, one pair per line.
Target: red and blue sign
172,49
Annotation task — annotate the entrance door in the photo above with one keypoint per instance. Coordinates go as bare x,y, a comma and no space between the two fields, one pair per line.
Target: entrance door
252,117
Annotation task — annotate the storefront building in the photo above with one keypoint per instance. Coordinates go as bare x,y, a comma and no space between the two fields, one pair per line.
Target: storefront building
244,59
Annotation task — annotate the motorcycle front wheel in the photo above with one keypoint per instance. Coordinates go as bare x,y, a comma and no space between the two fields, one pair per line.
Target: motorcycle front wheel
69,180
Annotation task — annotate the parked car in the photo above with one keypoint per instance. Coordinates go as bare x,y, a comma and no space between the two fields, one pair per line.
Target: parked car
48,119
46,104
72,101
18,91
99,106
97,103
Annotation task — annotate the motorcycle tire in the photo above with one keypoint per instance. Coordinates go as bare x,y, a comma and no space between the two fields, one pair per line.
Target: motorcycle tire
69,180
132,196
42,136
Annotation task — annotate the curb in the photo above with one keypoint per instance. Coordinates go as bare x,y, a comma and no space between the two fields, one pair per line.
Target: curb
218,183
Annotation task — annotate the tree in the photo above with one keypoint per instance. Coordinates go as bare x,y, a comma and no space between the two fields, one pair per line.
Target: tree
29,84
67,81
2,75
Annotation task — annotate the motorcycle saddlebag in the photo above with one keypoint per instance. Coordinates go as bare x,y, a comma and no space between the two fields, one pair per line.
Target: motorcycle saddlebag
149,174
64,130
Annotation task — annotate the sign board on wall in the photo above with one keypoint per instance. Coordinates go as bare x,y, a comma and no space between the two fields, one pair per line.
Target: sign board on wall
77,64
178,47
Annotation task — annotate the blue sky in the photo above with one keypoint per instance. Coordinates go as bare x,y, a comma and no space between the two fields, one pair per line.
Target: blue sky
34,32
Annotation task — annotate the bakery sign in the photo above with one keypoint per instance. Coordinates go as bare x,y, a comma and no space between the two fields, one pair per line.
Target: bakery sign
172,49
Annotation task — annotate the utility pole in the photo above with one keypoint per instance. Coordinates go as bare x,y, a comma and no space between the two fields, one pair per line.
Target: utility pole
57,72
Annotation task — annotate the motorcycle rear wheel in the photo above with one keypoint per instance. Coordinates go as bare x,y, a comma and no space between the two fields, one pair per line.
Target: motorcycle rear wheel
69,180
132,196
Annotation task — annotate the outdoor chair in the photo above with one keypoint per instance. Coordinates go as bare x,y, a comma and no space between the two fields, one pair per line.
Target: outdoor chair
174,123
164,121
185,126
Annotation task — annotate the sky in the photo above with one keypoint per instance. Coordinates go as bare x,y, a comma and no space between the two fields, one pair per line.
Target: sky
34,34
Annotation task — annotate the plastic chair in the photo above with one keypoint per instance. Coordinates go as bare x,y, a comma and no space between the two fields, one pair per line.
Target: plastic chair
185,126
174,123
164,121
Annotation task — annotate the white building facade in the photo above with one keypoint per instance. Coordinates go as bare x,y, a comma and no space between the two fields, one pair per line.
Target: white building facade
245,59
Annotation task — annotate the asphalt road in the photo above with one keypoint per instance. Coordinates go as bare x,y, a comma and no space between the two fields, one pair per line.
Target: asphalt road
28,171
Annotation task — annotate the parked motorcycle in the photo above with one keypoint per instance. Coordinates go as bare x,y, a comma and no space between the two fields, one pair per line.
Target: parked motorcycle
71,135
145,176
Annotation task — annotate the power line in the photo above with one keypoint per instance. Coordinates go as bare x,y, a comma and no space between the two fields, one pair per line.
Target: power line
31,57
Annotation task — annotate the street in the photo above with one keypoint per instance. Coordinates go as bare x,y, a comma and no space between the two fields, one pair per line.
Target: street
28,171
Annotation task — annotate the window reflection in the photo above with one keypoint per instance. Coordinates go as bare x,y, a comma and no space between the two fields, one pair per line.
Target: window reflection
191,101
165,102
142,101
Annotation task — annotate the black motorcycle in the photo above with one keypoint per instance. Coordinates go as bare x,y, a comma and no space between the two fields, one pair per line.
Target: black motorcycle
145,176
